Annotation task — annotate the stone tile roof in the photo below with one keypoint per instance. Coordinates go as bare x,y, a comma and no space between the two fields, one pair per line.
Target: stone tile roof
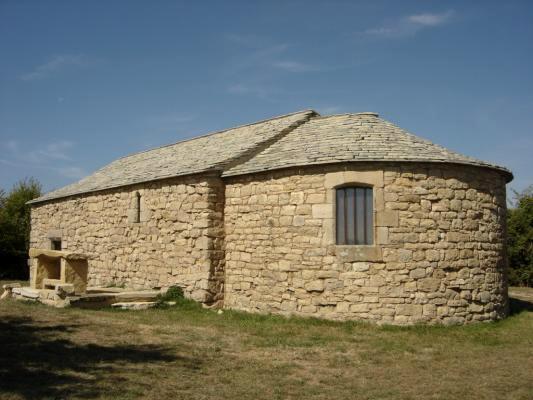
298,139
210,152
350,138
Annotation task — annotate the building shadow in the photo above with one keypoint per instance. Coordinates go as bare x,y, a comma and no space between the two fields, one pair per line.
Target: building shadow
34,363
518,305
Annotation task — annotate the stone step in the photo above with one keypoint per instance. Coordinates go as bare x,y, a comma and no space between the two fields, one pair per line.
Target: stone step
51,283
135,305
93,300
26,292
145,295
96,289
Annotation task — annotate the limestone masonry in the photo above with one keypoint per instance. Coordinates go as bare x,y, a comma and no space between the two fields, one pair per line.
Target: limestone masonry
248,218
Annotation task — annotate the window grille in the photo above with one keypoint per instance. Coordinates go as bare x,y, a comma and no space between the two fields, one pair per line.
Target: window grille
354,215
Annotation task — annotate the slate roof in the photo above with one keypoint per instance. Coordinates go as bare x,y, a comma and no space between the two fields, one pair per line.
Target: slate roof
210,152
298,139
351,138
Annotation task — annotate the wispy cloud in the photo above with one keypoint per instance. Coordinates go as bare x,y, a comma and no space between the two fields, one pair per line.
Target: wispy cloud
252,88
410,25
53,156
428,19
259,58
12,145
56,64
294,66
52,151
257,63
71,172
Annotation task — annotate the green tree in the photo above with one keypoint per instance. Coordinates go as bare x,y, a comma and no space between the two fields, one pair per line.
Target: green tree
15,227
520,239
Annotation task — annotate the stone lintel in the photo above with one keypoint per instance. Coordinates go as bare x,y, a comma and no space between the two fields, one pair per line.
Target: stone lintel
36,253
371,178
54,234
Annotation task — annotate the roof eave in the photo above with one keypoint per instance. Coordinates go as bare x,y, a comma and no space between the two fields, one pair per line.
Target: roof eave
508,175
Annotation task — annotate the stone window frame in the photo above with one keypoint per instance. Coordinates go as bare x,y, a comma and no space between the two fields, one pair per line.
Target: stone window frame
55,235
382,218
138,212
353,186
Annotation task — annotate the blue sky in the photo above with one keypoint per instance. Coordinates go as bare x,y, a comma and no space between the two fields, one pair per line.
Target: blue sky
85,82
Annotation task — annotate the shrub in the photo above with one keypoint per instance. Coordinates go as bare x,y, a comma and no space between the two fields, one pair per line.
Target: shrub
174,293
520,239
15,228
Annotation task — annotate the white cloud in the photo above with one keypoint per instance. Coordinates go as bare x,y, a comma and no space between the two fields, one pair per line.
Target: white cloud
428,19
56,64
410,25
293,66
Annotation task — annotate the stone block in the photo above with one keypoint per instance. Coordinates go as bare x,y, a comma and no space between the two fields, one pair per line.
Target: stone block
428,284
322,211
296,198
315,198
417,273
409,309
387,218
315,286
298,220
382,235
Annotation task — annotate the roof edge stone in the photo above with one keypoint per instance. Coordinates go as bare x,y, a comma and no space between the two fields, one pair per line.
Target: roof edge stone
502,170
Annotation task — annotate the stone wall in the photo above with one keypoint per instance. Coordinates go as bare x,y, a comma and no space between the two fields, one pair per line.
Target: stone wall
438,253
178,240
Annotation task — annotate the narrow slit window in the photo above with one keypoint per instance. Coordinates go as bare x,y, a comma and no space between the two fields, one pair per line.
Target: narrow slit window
354,207
137,207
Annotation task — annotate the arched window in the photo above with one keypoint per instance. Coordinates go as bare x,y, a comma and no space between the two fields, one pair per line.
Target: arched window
354,211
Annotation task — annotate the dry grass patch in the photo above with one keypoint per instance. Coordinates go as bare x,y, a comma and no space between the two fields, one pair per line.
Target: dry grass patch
186,352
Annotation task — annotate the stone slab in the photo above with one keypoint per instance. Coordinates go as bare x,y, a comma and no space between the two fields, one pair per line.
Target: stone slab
135,305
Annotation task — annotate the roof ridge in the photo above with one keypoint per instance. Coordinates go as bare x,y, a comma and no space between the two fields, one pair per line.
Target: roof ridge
357,114
216,133
259,147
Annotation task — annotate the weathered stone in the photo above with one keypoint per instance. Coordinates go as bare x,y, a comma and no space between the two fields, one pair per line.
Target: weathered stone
417,273
315,286
387,218
266,241
135,305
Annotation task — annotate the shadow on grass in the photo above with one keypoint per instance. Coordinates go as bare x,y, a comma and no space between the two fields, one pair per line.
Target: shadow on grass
35,362
518,305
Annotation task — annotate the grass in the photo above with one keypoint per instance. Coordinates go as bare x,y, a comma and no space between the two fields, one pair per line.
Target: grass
186,352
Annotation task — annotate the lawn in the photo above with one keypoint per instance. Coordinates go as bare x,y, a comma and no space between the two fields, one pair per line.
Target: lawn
186,352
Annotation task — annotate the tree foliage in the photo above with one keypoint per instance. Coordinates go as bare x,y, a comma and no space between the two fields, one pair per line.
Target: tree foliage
520,239
15,227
